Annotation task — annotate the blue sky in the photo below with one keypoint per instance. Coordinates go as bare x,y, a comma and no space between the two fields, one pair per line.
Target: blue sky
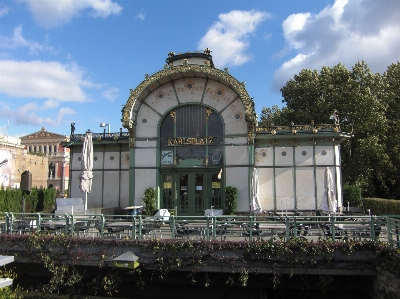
75,61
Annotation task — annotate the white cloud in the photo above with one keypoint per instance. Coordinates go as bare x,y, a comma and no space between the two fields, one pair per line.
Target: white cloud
41,79
51,13
347,32
30,114
141,16
18,41
111,94
229,36
3,11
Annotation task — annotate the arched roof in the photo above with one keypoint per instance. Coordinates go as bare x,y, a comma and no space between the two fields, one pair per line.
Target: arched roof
170,74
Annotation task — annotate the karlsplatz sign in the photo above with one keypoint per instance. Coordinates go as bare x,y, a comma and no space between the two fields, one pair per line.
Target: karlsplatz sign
191,141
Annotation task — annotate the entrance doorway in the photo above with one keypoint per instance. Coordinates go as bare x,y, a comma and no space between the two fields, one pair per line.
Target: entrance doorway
189,193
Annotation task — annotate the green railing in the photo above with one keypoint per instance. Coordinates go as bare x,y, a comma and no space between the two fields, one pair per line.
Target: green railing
232,228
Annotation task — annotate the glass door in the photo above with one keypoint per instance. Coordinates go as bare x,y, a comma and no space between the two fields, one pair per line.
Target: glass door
191,194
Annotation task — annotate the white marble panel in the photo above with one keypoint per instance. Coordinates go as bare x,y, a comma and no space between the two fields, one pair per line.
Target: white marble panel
162,99
324,155
239,177
75,164
284,189
266,188
236,155
94,197
190,90
125,160
305,188
145,157
304,155
98,160
234,119
144,178
111,192
74,191
111,160
264,156
321,189
124,189
146,123
218,95
283,156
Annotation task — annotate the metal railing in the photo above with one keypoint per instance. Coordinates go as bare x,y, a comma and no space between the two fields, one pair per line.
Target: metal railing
225,227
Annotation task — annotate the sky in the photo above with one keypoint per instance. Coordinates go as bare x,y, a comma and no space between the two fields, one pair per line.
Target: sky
75,61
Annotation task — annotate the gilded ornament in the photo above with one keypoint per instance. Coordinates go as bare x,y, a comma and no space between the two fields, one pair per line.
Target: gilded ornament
208,113
173,115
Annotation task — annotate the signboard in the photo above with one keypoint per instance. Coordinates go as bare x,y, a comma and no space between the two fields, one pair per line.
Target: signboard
216,185
167,157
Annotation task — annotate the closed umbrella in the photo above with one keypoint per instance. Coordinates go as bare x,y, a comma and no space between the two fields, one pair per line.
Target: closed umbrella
86,166
254,192
330,191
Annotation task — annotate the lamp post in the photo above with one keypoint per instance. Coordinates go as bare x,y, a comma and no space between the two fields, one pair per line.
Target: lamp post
102,125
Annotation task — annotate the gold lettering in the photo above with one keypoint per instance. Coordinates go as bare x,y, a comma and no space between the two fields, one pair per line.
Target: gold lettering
210,140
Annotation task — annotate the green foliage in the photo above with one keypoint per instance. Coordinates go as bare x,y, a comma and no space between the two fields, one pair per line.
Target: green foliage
58,254
37,201
351,195
230,199
368,106
149,201
380,206
274,116
10,292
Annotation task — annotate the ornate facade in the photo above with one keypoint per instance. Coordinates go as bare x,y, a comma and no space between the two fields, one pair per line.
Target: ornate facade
192,131
48,144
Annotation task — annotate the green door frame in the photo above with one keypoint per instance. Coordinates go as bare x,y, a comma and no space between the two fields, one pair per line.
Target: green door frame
199,194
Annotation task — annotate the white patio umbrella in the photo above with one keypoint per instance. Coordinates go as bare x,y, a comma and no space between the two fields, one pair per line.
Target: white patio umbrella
87,166
330,191
256,206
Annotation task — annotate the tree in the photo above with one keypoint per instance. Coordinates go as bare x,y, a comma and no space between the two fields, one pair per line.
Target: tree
369,102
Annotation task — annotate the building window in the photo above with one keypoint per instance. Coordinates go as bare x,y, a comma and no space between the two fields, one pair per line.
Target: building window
192,133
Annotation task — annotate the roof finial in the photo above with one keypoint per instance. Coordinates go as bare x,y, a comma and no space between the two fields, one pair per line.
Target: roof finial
207,51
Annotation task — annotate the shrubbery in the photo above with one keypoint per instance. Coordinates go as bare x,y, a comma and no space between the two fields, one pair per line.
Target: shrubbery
37,201
351,195
380,206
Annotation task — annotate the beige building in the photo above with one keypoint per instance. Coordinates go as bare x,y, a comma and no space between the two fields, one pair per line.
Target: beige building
48,145
14,160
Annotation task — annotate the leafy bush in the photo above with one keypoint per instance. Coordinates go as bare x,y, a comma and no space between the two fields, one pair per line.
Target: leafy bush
149,201
380,206
230,199
351,195
37,201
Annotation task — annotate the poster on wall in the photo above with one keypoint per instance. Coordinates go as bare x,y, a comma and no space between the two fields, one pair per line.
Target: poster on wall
6,168
167,157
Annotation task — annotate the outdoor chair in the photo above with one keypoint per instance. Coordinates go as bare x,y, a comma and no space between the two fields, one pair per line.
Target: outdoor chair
255,231
339,233
181,231
221,230
367,233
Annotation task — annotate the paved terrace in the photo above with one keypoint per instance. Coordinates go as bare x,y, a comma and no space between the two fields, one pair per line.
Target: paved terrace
224,227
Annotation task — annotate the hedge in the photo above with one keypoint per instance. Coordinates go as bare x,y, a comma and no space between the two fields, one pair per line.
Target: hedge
38,200
380,206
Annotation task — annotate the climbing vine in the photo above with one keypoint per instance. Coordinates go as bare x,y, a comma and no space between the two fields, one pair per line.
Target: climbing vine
59,253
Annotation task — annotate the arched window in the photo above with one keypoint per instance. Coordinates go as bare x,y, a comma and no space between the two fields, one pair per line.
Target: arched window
191,135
